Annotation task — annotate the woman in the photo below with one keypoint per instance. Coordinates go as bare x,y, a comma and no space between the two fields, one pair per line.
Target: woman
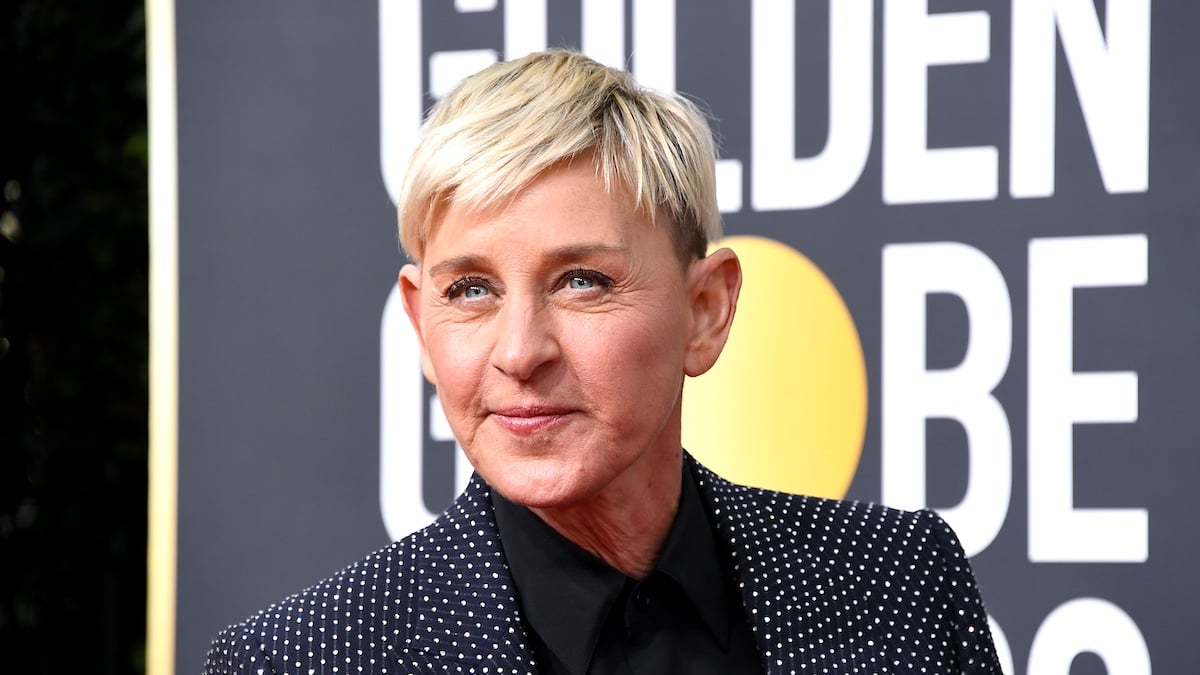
558,218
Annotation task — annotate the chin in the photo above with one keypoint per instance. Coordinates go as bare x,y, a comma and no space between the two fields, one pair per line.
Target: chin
540,483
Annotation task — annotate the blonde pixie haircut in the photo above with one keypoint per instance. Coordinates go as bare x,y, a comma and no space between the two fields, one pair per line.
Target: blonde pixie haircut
501,128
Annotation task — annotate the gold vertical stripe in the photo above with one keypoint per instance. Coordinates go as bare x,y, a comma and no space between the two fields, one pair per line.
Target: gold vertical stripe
164,338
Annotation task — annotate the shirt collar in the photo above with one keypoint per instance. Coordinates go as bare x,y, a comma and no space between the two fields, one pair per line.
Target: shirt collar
567,592
692,559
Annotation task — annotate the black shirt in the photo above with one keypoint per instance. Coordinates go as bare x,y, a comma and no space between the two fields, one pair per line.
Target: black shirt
586,617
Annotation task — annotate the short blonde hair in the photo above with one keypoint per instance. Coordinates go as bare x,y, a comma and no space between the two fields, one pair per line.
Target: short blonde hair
501,128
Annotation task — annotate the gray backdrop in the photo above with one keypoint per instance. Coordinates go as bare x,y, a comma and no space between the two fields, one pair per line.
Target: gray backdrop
288,255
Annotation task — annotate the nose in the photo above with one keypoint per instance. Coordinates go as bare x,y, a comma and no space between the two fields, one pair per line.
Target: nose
525,339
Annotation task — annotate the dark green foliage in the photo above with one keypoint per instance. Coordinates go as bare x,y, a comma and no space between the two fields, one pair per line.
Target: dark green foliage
73,335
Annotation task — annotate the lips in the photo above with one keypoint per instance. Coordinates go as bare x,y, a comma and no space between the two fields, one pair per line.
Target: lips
530,419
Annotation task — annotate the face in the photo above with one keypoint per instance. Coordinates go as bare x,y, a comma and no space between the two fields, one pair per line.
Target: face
558,330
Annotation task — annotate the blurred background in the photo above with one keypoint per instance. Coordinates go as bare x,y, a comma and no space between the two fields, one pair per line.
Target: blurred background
73,336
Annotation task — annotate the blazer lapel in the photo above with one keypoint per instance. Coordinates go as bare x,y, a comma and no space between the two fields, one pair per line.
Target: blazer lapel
745,528
463,613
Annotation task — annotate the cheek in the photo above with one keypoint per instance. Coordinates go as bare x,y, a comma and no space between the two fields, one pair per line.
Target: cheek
631,361
456,361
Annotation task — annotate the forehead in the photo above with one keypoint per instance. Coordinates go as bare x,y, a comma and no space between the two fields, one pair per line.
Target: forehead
566,206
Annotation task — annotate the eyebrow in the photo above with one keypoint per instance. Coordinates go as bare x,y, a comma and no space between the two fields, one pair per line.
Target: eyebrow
564,254
455,264
581,251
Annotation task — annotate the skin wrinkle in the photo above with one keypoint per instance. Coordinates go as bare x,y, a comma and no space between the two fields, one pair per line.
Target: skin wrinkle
607,360
615,536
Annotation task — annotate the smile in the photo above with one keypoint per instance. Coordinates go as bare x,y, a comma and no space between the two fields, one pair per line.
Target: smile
528,420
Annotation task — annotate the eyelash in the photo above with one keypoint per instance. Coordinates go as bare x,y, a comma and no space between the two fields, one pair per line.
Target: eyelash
599,279
457,288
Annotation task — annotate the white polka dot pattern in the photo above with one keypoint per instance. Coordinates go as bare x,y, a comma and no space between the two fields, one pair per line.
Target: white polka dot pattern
849,587
828,586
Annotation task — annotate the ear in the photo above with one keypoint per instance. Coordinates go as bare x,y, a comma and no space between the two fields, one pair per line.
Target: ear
713,283
410,293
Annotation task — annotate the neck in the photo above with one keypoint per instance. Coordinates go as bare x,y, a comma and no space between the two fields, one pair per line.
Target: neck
625,528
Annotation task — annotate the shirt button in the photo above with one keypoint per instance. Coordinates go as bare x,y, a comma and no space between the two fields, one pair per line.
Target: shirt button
642,599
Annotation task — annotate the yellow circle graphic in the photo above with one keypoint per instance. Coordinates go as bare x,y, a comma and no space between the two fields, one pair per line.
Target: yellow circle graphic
785,407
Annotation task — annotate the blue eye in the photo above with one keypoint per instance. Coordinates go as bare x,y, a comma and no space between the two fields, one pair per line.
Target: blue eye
584,280
471,288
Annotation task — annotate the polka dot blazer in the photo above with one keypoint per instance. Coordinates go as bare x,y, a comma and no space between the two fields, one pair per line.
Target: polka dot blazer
828,587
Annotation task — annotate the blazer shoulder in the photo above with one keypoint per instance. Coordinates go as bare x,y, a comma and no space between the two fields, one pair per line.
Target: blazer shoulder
837,568
833,533
353,599
362,614
760,511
